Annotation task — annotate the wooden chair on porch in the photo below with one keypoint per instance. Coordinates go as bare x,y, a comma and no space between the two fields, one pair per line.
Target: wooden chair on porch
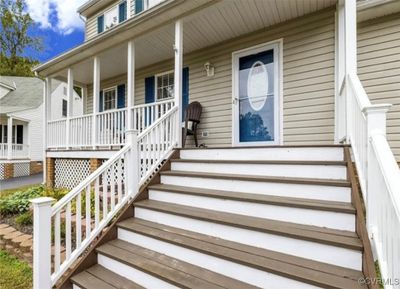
192,114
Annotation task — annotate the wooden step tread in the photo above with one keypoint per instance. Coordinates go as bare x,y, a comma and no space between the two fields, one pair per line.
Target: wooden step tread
300,269
176,272
98,277
252,178
332,206
262,162
344,239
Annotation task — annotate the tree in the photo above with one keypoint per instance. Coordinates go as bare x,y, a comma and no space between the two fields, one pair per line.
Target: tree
14,39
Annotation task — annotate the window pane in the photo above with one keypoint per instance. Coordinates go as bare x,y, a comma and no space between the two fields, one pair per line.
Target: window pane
64,107
20,134
165,80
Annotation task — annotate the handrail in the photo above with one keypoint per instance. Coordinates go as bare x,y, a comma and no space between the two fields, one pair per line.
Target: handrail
379,177
89,179
154,103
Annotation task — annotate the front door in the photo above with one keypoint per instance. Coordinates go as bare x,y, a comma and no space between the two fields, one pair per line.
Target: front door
256,95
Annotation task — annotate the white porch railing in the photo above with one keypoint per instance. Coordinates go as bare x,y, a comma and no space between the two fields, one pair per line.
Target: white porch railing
379,178
80,132
110,126
144,115
57,133
17,151
80,216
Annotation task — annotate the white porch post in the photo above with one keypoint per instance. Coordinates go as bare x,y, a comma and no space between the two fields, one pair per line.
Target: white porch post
178,47
46,118
9,137
131,86
96,96
350,28
70,95
42,243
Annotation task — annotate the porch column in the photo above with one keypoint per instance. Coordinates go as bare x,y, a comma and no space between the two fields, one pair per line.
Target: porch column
46,119
178,48
9,137
350,21
70,95
96,96
131,85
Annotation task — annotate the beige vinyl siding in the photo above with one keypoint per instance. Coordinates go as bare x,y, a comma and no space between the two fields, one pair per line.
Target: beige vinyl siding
379,69
308,80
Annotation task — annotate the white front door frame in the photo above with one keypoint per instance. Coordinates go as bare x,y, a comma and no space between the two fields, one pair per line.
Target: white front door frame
277,46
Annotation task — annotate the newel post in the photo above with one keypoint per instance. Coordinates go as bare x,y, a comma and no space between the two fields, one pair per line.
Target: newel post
376,125
133,162
42,243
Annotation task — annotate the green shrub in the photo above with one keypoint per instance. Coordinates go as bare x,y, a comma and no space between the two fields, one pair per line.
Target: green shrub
25,219
19,202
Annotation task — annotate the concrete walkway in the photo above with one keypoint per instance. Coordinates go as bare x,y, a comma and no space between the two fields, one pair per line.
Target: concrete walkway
21,181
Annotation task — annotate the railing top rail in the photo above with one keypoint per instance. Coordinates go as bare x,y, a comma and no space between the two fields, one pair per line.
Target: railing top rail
81,116
359,91
153,103
57,120
112,111
154,124
92,177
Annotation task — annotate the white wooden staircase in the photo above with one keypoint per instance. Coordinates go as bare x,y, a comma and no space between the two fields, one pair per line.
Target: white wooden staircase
278,217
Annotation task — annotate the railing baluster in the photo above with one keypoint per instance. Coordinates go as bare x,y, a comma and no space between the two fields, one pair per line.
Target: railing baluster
120,181
96,203
105,197
112,185
57,242
78,219
88,211
68,231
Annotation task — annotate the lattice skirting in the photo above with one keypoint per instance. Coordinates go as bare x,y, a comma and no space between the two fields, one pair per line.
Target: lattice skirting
118,172
1,171
70,172
21,169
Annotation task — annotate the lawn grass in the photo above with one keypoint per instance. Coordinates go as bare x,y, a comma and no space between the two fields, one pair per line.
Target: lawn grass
14,274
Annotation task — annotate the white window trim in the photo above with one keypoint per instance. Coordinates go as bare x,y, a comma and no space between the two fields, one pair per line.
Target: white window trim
111,8
116,97
155,85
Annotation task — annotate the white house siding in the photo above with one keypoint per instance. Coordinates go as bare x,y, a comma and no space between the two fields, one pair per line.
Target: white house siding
33,136
57,97
379,69
308,80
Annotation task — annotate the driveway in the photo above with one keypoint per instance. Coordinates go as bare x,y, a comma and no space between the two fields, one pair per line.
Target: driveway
21,181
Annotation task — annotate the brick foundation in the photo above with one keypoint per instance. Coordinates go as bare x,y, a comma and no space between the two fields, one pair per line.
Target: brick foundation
95,164
8,170
50,172
35,167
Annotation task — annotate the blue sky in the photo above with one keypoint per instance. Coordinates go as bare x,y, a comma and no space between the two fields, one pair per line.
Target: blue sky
58,24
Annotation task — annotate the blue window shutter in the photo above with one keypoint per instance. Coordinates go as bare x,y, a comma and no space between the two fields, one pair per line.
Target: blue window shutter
121,96
138,6
185,90
100,24
149,89
101,101
122,11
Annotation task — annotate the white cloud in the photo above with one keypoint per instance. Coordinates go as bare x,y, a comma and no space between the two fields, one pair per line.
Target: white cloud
59,15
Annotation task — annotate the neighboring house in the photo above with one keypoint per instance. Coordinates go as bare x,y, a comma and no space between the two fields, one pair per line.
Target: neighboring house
273,201
21,111
21,125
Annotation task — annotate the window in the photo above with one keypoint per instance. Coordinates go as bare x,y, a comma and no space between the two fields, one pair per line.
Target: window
65,90
17,134
64,107
112,17
164,86
78,91
110,98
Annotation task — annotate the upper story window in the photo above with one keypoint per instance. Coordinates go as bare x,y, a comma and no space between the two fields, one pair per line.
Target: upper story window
64,108
141,5
164,85
112,17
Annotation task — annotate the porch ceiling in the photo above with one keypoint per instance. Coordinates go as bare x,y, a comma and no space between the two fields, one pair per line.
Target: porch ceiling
214,24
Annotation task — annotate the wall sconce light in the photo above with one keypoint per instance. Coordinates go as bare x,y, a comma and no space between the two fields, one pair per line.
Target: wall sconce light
209,68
